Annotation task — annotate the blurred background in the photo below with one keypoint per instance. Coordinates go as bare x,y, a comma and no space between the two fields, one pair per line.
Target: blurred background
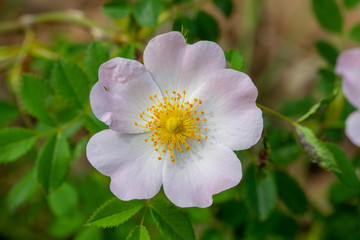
286,47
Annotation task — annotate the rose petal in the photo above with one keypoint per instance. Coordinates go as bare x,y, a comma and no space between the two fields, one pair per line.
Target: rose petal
122,93
348,66
132,164
178,66
352,128
199,173
228,100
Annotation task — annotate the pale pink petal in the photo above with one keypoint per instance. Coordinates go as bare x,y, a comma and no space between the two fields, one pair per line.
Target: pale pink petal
352,128
199,173
348,66
178,66
228,101
122,93
132,163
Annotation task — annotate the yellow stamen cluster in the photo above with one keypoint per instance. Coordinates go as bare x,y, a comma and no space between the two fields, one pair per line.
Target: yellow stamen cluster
173,121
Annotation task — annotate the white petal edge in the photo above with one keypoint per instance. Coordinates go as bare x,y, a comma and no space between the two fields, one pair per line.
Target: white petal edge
348,66
132,164
122,93
352,127
228,101
178,66
199,173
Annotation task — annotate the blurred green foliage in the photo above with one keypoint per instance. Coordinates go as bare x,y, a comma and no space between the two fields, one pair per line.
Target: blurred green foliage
49,190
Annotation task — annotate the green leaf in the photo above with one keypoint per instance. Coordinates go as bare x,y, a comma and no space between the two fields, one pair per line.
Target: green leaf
139,233
71,83
328,14
53,162
283,145
318,108
259,195
316,149
235,59
207,26
117,9
266,191
355,32
22,191
347,173
147,12
127,51
327,51
15,142
225,6
9,112
189,25
296,107
94,125
89,234
96,55
351,3
290,193
34,93
80,148
63,202
114,212
327,81
171,222
340,193
63,228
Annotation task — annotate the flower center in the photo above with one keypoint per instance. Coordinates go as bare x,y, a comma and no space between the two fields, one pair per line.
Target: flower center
173,125
173,122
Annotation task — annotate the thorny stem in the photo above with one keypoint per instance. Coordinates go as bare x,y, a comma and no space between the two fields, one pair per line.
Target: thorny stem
262,107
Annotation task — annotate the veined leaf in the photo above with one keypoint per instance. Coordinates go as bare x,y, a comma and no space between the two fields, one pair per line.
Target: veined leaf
225,6
63,202
138,233
290,193
146,12
260,196
8,112
22,191
235,59
316,149
351,3
355,32
184,22
327,51
347,173
114,212
117,8
318,108
96,55
207,26
71,83
328,14
171,222
53,162
34,92
15,142
93,125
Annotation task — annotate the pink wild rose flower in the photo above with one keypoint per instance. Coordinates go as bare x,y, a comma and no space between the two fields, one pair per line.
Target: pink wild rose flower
174,122
348,67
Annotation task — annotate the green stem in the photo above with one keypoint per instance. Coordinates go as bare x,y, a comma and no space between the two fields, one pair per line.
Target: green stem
266,109
146,208
65,126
